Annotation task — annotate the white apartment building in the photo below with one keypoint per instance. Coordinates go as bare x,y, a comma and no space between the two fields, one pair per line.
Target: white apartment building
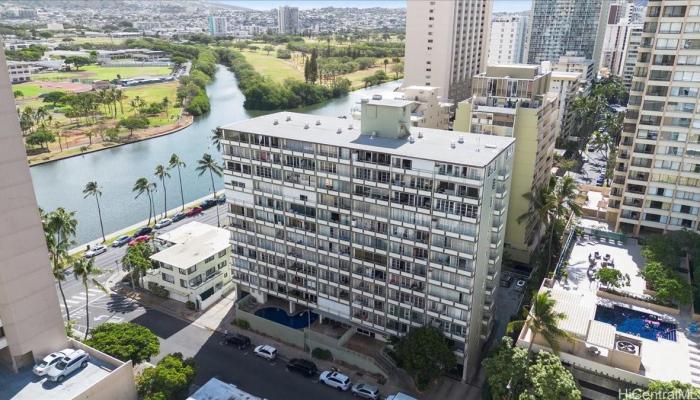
558,27
573,63
507,39
656,186
193,264
427,108
634,39
288,20
567,86
19,71
382,226
623,18
446,44
217,25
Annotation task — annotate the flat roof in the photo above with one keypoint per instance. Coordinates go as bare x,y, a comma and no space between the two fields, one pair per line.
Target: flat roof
215,389
475,150
395,102
565,75
192,243
26,386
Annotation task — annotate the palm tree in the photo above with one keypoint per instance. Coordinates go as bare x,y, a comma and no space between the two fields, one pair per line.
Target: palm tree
83,270
216,135
207,163
565,194
541,214
165,102
119,97
59,227
92,189
142,186
543,320
175,162
162,173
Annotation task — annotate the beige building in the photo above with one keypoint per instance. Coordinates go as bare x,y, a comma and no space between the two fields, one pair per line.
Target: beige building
446,44
193,264
623,18
426,106
514,101
656,184
567,86
31,325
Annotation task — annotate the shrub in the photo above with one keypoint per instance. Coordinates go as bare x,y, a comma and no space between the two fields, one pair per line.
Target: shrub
190,305
241,323
169,379
125,341
158,290
322,354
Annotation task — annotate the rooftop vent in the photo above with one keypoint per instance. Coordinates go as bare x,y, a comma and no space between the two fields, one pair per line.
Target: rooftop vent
339,131
350,127
376,97
364,100
318,122
490,146
306,126
411,139
373,135
461,139
275,122
289,118
453,144
420,135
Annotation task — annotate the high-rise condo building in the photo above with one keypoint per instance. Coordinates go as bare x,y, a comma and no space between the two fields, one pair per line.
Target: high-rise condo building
288,20
634,39
514,101
567,86
558,27
507,39
383,226
446,44
623,18
656,184
217,25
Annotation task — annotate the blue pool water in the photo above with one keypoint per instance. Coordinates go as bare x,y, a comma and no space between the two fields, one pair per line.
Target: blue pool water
636,323
280,316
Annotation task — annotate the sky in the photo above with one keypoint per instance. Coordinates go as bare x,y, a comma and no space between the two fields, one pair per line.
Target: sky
498,5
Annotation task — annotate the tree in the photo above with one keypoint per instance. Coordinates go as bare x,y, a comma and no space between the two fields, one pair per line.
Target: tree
59,229
425,354
137,260
612,277
92,189
42,137
162,173
169,379
397,69
216,135
125,341
513,374
542,211
268,49
543,320
207,163
313,67
142,186
18,93
386,63
134,122
176,162
165,103
78,61
83,270
54,97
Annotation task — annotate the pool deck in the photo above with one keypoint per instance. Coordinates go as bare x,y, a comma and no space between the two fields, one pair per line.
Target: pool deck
578,296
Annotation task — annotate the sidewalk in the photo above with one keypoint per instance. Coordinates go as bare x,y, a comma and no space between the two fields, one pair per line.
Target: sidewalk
219,318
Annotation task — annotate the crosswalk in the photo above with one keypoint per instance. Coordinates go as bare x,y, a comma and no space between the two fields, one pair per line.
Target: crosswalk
103,306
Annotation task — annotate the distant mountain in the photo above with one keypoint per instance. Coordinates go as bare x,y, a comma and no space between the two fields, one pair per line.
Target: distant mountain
228,6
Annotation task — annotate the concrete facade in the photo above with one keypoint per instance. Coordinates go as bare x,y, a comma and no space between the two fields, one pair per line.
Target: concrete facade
507,41
217,25
446,44
288,20
514,101
567,86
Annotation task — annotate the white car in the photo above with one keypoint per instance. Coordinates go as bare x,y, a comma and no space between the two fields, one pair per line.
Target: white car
163,223
365,391
47,362
95,250
266,351
68,365
335,380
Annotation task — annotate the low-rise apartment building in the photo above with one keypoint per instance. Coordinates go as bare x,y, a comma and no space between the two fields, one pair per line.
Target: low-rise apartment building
567,86
514,101
19,71
428,110
193,264
382,226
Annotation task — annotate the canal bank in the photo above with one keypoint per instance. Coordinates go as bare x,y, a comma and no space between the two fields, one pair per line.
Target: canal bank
60,183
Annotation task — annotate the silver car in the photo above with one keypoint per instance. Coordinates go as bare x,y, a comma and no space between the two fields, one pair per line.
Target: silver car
68,365
41,368
365,391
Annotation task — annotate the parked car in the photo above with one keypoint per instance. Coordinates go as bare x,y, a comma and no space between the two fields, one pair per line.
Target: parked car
206,204
163,223
146,230
194,211
178,217
139,239
600,181
266,351
304,367
240,341
335,380
121,241
95,250
365,391
221,199
41,368
68,365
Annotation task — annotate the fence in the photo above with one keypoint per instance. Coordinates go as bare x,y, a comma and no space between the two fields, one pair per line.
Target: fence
288,335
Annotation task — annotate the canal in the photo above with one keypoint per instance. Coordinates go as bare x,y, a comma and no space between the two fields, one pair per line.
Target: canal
60,183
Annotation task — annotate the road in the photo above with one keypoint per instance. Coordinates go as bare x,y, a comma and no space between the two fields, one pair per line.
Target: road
594,164
260,377
105,307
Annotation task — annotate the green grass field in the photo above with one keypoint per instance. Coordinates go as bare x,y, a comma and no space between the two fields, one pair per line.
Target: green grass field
96,72
271,66
97,40
153,93
31,89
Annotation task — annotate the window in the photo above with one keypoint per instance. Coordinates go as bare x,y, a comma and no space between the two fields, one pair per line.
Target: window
665,44
692,44
208,259
196,281
686,76
167,277
183,283
670,27
684,91
190,270
221,253
674,11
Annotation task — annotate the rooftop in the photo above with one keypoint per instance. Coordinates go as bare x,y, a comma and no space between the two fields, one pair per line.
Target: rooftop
435,144
561,75
397,102
215,389
192,243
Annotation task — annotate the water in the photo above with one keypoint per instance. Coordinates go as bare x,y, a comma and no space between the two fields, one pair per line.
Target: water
60,183
636,323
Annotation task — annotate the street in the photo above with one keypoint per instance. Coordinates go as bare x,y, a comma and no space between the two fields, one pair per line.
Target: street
111,307
594,164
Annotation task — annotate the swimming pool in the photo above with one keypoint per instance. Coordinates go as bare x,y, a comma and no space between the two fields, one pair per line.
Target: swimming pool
279,315
636,323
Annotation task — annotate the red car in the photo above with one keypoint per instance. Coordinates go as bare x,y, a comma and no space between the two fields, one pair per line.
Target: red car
194,211
140,239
